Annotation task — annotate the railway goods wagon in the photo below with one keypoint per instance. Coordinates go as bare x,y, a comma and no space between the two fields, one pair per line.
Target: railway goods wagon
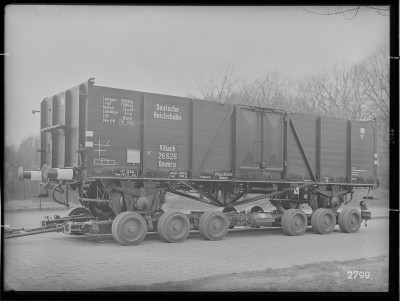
123,150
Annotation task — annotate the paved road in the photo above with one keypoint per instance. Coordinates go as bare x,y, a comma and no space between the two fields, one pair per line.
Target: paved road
55,261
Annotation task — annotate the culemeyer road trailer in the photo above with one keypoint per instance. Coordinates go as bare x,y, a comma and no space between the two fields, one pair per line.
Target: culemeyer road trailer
123,150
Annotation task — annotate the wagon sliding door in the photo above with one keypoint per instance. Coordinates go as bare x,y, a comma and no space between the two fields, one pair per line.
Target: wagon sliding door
272,147
259,142
248,139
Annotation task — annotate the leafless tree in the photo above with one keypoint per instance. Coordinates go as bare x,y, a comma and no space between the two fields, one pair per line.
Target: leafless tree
375,80
219,84
22,156
349,12
270,90
334,93
223,84
359,91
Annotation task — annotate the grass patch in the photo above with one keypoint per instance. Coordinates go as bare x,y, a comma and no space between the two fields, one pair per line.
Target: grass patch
318,277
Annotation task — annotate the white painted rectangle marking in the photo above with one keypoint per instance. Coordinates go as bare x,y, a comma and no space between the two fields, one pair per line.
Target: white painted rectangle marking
133,156
89,143
104,161
89,133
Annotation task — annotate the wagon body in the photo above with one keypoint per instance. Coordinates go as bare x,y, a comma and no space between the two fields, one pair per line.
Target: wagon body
122,151
125,134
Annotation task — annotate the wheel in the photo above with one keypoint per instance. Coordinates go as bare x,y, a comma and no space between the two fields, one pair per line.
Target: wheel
283,219
350,220
294,222
100,209
252,208
213,225
173,226
78,211
228,209
129,228
314,218
284,216
323,221
117,203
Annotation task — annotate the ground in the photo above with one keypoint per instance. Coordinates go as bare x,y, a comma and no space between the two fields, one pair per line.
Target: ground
246,260
336,276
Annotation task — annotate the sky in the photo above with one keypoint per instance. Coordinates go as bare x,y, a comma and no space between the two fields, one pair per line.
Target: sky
50,49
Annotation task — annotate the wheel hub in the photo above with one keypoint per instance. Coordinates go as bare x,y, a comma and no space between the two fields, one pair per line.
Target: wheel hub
217,225
173,226
176,227
131,228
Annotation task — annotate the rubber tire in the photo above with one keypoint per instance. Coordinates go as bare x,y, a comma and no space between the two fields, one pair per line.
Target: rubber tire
284,217
345,220
163,226
116,205
287,222
206,222
77,211
314,218
318,218
119,224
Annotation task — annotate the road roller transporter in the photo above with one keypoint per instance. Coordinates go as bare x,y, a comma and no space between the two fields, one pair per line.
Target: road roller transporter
122,151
